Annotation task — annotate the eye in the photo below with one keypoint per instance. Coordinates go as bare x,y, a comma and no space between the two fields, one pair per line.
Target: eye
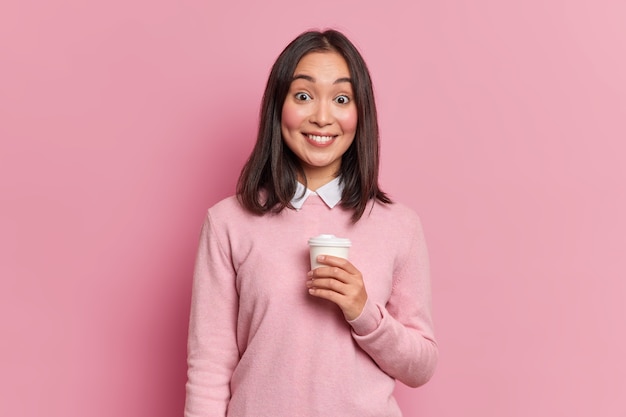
302,96
342,99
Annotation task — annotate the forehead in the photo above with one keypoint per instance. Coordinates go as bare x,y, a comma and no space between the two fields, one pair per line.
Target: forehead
327,63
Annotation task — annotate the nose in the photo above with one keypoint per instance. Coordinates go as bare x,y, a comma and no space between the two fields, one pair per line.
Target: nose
322,114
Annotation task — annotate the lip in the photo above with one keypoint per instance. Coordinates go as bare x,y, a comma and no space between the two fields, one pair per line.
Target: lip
319,139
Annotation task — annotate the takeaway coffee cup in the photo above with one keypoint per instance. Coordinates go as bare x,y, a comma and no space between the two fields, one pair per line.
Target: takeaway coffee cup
328,245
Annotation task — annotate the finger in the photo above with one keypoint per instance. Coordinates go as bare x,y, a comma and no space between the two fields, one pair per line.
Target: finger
351,309
327,294
338,262
333,272
329,284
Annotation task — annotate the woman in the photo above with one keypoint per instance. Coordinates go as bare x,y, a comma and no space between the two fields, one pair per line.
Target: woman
269,337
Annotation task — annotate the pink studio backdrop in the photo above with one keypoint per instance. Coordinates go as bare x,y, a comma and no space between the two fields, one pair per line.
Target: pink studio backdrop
503,124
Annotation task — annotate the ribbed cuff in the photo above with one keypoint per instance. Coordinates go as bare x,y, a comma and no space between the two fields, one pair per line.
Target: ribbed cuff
368,320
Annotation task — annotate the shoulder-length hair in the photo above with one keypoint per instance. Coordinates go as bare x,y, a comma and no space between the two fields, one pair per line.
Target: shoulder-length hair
268,179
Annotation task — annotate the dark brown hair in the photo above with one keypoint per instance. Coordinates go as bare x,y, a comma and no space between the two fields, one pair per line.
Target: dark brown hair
273,168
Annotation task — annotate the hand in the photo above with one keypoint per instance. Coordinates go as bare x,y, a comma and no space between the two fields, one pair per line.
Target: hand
340,282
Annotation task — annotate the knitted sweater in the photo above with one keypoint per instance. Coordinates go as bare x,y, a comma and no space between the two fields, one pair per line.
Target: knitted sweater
261,346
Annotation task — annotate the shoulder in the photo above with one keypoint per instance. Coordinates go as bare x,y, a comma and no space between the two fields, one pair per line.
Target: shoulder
227,204
230,213
398,222
396,214
228,210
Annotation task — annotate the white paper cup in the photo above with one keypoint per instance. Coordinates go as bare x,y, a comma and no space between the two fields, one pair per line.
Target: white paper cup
328,245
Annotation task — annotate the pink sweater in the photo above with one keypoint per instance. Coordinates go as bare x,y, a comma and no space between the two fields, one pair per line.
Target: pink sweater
261,346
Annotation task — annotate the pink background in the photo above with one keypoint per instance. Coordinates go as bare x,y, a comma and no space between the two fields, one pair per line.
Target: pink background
503,125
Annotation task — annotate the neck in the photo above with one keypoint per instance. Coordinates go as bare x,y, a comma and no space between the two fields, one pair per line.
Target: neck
313,182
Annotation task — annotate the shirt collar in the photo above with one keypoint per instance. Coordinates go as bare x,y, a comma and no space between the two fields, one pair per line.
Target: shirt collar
330,193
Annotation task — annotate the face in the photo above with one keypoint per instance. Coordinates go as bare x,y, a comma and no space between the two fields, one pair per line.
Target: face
319,116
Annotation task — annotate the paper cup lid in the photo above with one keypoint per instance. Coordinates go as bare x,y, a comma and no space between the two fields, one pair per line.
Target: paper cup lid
330,240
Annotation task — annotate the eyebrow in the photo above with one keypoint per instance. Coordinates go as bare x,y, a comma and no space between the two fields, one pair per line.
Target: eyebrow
311,79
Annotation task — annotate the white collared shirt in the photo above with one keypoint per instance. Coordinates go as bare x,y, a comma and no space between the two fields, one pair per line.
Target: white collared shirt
330,193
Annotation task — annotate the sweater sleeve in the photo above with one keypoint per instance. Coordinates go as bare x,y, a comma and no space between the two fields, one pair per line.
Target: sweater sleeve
212,352
399,336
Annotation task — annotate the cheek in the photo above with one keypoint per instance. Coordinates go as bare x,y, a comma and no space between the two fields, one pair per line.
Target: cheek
349,120
290,118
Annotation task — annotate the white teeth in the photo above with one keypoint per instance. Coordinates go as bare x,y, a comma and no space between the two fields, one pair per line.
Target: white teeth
320,139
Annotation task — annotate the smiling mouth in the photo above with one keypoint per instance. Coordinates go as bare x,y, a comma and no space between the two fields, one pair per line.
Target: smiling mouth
320,140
